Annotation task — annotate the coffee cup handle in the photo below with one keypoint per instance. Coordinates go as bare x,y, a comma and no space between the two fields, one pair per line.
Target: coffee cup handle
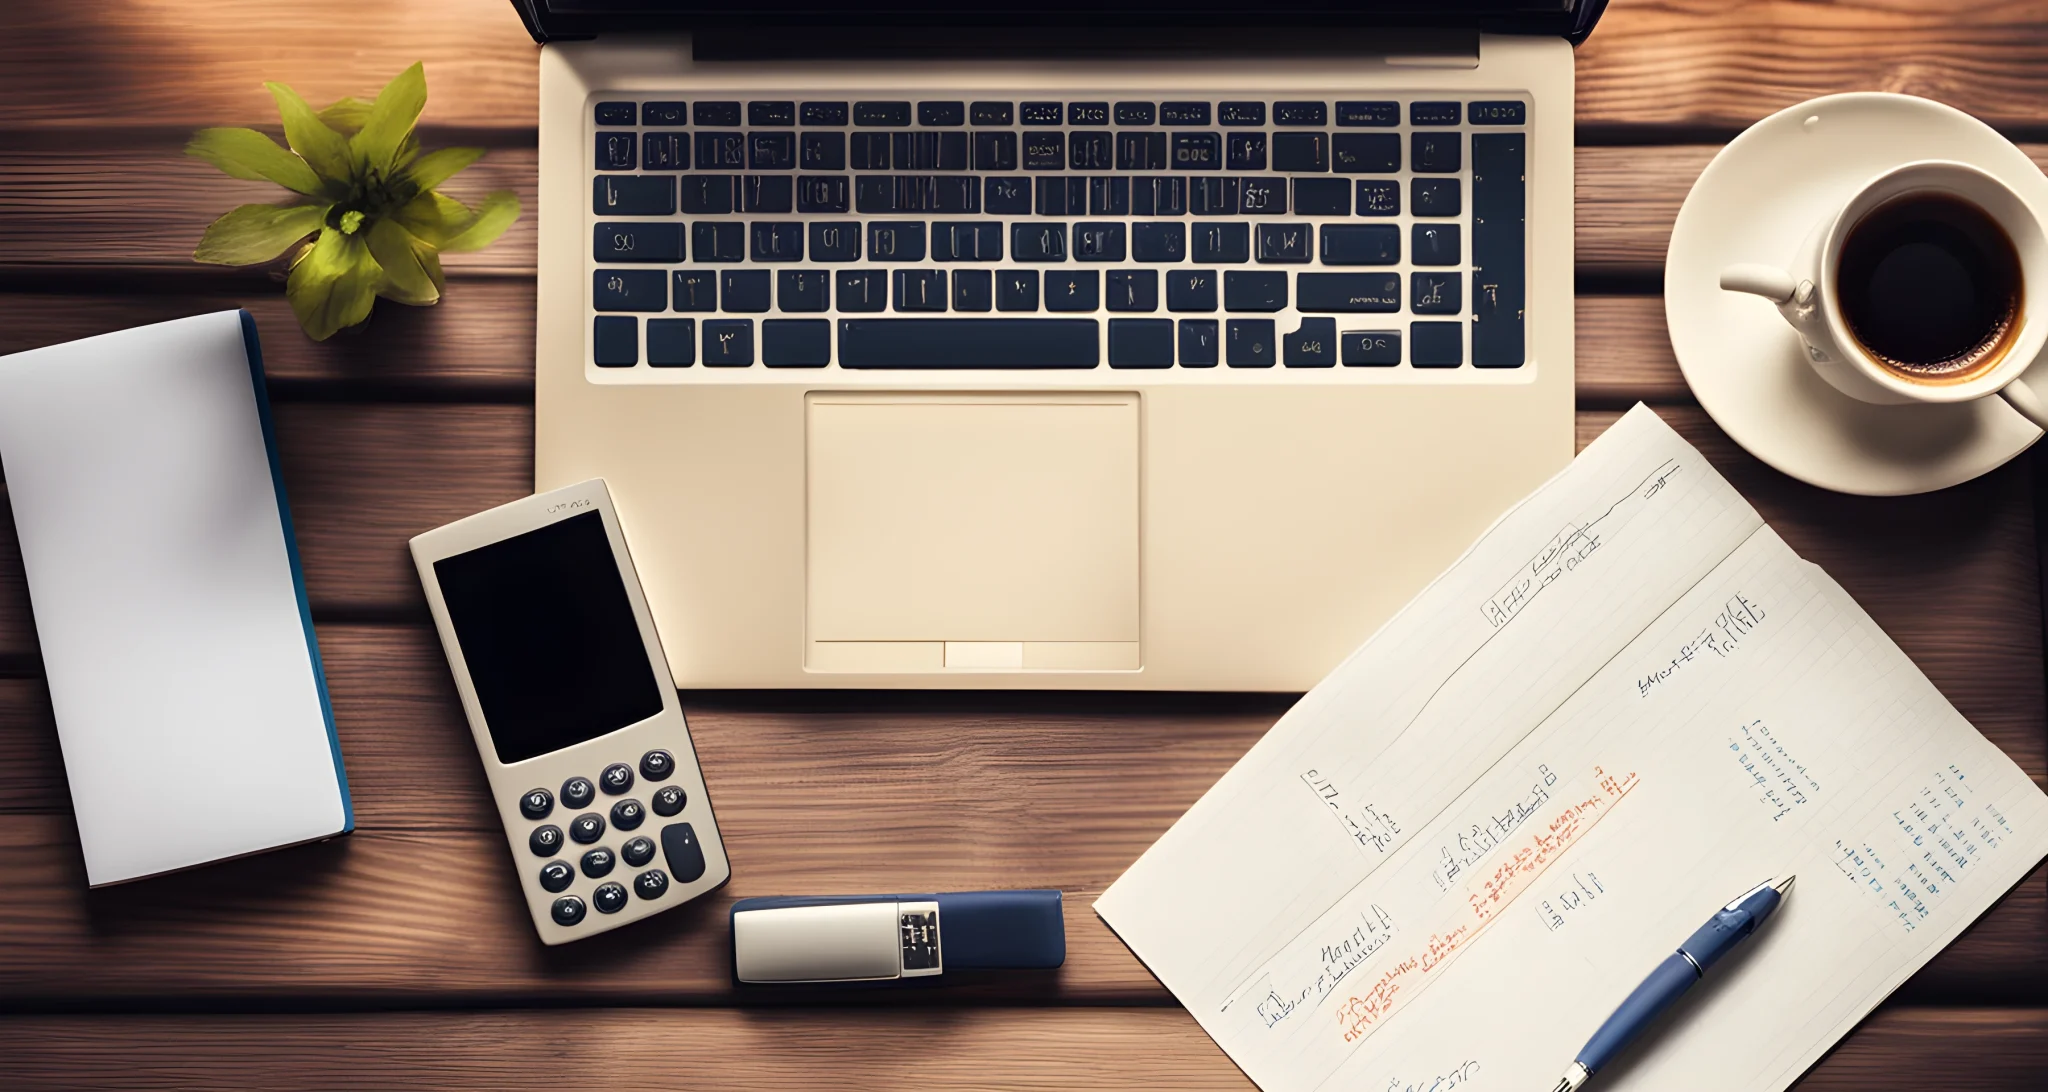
2020,395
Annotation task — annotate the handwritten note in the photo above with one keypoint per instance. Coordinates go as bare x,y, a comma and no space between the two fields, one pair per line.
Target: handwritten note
1655,706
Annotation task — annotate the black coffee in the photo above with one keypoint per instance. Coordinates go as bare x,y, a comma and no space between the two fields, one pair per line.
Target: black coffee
1930,285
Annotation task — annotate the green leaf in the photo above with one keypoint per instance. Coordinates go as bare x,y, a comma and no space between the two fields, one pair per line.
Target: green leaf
333,284
346,116
437,167
323,148
435,218
257,233
496,214
399,253
246,153
391,119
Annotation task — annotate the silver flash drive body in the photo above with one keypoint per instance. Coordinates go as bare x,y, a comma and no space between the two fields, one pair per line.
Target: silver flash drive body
879,938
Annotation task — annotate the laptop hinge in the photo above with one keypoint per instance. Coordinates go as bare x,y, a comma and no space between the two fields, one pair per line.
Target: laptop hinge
1431,48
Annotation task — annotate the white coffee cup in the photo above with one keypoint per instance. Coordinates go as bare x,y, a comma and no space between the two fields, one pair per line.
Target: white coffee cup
1809,296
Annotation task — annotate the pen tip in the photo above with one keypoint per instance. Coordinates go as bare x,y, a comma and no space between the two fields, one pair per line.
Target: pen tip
1784,885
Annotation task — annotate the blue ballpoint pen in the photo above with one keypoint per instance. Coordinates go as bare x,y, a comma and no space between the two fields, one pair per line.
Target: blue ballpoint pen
1673,977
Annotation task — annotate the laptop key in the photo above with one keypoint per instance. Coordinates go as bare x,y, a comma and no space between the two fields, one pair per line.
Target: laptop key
707,194
803,290
629,290
990,113
728,343
835,240
1183,113
1322,197
995,151
615,341
1248,343
1199,343
1190,290
1434,244
1134,113
1499,192
1045,151
1369,348
967,241
1061,196
766,193
1141,151
1131,290
1017,290
768,112
822,113
716,113
896,240
1006,197
822,192
881,113
1435,153
1160,195
1038,242
1087,113
1435,197
1109,195
1301,153
634,195
1361,244
1099,242
1496,113
1164,241
663,113
615,151
1378,115
1225,244
1284,243
1072,290
743,290
929,150
1433,113
1245,290
1141,343
771,151
696,290
1348,293
1042,113
777,240
1366,153
1245,152
822,152
665,151
1436,293
1379,197
1263,196
1212,196
862,290
796,343
671,343
718,241
870,152
941,113
1197,152
973,290
1436,344
615,113
1240,113
719,151
636,241
920,289
1090,151
968,343
1312,345
1301,113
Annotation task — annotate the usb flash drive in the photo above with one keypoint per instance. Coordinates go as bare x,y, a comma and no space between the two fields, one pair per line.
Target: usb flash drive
878,938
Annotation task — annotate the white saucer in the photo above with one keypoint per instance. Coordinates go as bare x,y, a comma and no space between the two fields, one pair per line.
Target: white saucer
1755,203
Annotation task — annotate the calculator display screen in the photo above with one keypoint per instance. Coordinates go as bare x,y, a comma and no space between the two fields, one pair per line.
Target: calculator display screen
552,646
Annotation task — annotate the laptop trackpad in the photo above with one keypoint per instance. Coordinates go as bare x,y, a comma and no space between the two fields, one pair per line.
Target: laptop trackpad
972,531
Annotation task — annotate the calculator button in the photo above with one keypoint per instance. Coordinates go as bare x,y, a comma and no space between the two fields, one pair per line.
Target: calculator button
577,792
618,777
568,910
556,875
637,852
657,765
537,803
609,898
545,841
628,814
669,799
651,884
685,854
585,828
598,862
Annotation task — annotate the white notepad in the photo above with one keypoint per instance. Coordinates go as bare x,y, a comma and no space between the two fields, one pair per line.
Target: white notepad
168,602
1628,703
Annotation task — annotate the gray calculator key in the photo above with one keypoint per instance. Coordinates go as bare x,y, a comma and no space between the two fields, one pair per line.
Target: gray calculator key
685,855
567,910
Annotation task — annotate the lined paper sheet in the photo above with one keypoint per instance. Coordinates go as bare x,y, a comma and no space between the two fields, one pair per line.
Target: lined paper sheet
1629,702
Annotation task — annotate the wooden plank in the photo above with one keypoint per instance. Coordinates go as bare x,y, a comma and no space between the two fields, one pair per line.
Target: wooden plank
815,794
478,342
1674,62
938,1048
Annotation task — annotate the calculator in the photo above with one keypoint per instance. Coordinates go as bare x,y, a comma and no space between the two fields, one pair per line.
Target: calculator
574,714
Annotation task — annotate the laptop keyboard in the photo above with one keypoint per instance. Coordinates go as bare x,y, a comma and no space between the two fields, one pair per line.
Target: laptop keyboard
1380,235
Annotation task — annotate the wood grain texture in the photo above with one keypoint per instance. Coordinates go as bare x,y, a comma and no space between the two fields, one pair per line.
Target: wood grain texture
815,793
71,65
936,1049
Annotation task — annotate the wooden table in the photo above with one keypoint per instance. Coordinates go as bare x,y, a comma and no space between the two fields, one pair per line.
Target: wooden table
399,956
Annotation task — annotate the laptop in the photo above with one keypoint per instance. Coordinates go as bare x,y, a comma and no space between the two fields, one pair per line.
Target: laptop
1116,344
